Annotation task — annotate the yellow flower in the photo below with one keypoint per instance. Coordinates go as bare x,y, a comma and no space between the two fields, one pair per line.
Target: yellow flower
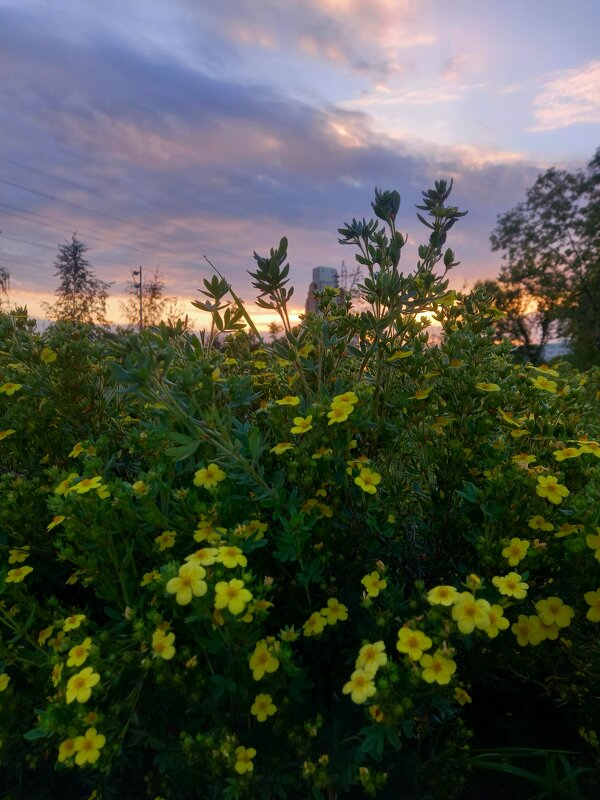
553,611
209,477
255,528
139,488
527,630
373,583
88,747
511,585
288,400
17,555
593,600
371,657
314,624
590,447
281,448
79,686
397,354
86,485
55,521
509,417
243,759
461,696
18,575
360,686
339,413
413,643
551,631
346,399
442,595
306,350
162,644
473,582
48,355
538,523
543,383
204,556
322,452
548,486
262,661
302,424
6,433
566,529
515,551
367,480
232,595
4,681
567,452
78,654
288,634
77,450
470,613
231,557
45,634
421,394
593,541
149,577
518,433
188,584
56,674
334,611
488,387
66,750
544,369
10,388
498,622
165,540
522,460
263,707
437,668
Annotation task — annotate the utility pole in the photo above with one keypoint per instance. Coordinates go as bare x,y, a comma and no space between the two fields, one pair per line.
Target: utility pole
140,287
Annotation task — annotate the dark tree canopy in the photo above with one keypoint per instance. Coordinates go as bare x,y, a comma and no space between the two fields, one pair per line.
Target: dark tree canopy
81,296
551,258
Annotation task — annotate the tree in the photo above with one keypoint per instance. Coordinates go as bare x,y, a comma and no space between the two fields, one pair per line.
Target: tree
81,296
527,324
551,245
4,283
154,305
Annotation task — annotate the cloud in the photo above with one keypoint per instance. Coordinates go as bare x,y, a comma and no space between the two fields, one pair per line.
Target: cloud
183,162
569,98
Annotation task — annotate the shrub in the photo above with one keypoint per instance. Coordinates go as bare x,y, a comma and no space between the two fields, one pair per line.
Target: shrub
315,572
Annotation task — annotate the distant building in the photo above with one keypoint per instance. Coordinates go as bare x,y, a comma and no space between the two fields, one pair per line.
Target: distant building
321,278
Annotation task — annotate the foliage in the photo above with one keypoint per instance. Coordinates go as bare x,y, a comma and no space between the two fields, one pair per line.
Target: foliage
316,569
551,254
81,296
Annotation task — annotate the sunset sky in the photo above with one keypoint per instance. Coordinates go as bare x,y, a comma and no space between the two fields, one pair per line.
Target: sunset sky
162,130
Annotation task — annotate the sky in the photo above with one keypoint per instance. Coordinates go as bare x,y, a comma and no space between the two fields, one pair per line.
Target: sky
161,131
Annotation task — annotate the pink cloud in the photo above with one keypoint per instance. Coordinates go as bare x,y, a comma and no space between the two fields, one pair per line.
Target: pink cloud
570,98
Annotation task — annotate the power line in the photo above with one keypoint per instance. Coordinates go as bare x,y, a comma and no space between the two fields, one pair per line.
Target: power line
115,242
118,219
64,226
50,247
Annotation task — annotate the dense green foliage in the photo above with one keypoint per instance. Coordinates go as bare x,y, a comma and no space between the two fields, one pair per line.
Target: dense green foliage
289,574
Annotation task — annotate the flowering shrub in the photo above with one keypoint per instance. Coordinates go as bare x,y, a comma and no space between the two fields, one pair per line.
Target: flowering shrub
300,574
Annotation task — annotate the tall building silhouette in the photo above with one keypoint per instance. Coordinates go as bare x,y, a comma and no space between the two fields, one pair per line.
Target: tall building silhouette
321,278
